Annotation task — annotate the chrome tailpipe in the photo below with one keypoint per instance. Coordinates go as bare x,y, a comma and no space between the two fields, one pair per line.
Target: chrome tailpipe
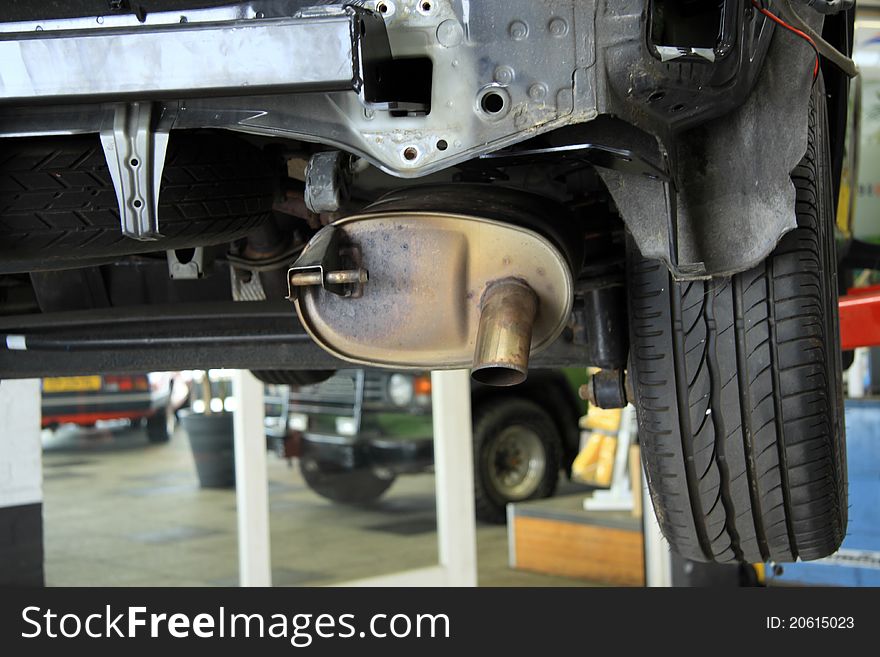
504,337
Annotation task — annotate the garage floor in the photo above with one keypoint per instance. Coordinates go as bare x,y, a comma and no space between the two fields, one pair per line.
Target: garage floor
119,511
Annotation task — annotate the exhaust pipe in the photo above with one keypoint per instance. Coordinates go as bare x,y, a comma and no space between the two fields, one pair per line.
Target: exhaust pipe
446,289
504,336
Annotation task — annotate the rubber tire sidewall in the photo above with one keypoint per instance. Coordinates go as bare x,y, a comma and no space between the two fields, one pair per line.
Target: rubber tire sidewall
358,487
490,420
157,427
293,377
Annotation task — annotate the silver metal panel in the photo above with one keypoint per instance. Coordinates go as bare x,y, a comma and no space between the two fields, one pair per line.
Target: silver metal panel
521,53
135,155
237,56
211,14
477,50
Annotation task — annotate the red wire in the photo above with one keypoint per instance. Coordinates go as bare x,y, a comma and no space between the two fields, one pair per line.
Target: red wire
803,35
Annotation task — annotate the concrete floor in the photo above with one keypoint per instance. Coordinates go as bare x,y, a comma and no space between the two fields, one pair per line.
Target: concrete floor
121,512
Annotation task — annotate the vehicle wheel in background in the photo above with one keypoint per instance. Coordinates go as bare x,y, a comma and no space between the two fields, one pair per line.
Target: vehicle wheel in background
212,440
355,487
293,377
157,427
517,454
738,390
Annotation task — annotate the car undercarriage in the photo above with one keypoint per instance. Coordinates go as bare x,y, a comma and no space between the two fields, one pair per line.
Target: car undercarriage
290,185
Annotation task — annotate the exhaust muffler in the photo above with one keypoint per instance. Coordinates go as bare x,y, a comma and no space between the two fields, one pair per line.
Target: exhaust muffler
437,288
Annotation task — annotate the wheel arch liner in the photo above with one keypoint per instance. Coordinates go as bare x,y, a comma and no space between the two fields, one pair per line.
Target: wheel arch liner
730,197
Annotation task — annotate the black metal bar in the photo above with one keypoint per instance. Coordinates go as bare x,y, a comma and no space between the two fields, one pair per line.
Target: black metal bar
242,335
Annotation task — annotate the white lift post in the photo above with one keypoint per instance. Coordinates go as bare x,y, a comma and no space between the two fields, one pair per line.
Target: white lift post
454,485
21,483
251,481
454,476
454,472
658,557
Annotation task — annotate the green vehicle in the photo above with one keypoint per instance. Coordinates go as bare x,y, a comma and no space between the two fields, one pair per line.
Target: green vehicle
358,430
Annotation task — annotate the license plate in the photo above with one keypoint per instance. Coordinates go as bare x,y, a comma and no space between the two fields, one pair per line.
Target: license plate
72,384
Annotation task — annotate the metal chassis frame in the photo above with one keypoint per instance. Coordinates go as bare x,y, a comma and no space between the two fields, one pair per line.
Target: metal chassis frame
551,65
70,62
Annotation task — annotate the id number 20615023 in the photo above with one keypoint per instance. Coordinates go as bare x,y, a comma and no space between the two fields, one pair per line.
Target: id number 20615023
810,623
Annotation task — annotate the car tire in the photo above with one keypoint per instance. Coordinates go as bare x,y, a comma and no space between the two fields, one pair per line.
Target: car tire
59,206
157,428
506,431
738,390
293,377
351,487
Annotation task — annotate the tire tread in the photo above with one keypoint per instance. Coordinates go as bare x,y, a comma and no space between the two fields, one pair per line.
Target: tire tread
743,446
58,204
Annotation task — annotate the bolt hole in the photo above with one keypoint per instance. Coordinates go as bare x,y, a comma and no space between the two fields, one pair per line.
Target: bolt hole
656,96
382,8
426,6
410,153
492,103
137,203
134,162
442,145
677,108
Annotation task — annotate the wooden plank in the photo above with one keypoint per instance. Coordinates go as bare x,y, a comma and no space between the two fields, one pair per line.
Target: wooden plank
599,554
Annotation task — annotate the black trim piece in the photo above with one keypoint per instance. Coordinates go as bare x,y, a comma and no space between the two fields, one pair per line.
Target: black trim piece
21,545
238,335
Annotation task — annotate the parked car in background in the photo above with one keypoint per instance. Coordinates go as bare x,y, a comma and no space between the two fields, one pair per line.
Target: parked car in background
85,400
355,432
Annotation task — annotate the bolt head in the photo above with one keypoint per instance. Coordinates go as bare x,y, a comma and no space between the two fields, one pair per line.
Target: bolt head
587,392
518,30
558,27
538,91
504,75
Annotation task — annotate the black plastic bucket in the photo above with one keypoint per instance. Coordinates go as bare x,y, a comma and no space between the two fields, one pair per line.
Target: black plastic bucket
211,440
